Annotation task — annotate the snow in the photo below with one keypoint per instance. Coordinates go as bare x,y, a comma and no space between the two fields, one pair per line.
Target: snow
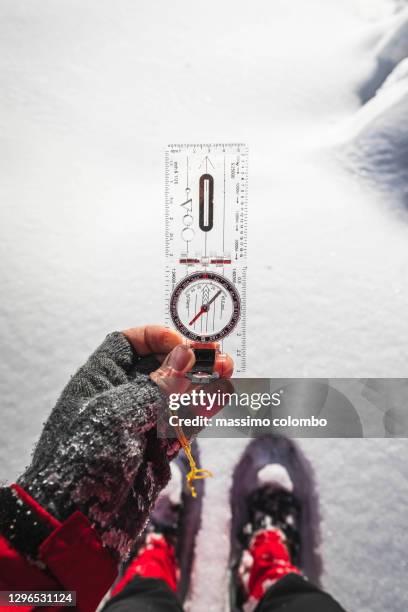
275,474
92,91
376,137
173,489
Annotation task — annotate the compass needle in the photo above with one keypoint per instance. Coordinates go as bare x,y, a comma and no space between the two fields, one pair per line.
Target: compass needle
206,238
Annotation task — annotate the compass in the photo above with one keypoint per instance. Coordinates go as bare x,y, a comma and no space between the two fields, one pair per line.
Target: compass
205,306
206,191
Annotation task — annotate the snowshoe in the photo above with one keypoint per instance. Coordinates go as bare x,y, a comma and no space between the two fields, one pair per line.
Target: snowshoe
273,487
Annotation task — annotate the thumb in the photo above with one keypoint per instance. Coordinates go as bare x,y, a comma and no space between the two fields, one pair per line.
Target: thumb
170,376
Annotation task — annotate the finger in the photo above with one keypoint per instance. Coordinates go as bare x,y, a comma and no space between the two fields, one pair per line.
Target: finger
219,390
170,376
152,339
224,365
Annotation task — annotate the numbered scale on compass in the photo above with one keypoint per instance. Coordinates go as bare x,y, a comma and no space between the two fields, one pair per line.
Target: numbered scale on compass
205,306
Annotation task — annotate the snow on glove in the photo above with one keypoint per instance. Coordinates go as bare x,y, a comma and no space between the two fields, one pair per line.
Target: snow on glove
99,451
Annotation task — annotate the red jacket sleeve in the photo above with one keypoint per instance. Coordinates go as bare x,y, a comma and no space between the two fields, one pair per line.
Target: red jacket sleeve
74,558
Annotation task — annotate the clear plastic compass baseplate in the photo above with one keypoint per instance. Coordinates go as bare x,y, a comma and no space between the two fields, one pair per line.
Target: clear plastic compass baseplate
206,250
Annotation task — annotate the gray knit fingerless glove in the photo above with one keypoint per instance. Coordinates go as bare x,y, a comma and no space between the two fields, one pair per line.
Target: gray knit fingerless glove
99,451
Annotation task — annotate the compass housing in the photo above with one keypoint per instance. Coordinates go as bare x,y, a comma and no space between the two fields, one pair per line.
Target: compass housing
219,318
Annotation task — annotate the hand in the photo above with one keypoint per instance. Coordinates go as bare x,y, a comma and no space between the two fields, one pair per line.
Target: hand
99,451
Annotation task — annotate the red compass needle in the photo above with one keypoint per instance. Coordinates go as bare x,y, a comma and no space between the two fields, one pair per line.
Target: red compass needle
204,308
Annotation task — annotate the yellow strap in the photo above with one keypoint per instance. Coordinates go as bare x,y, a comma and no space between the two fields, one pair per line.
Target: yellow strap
195,473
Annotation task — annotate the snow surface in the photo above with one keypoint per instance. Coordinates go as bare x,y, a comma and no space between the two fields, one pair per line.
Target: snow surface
275,474
92,91
174,487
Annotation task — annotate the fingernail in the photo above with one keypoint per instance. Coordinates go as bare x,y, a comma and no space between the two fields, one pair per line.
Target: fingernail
179,358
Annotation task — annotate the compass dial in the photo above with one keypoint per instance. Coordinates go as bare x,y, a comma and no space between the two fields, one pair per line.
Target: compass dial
205,307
